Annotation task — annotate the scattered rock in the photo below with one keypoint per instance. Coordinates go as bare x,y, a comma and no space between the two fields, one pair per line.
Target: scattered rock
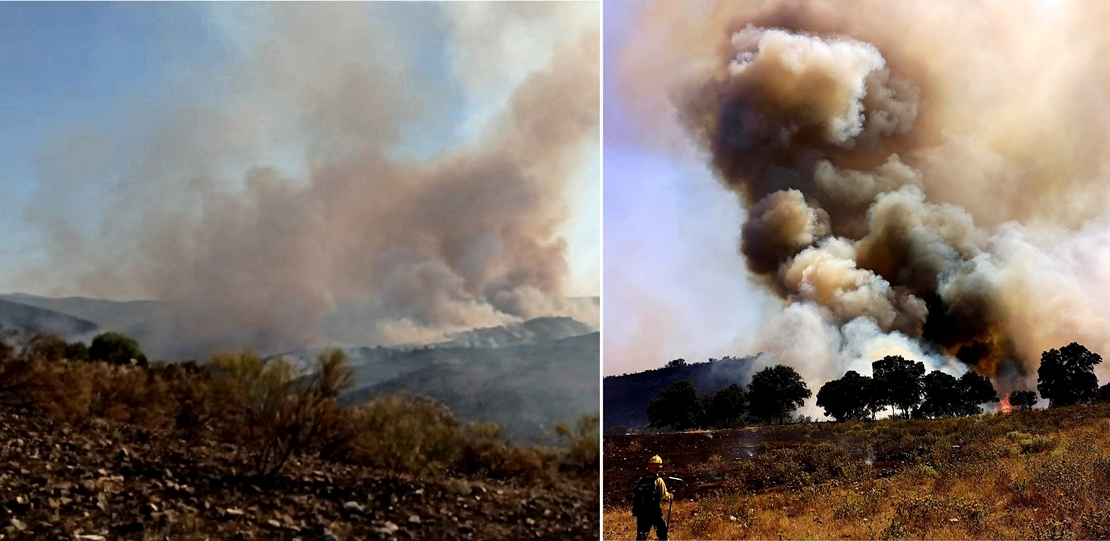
200,489
388,528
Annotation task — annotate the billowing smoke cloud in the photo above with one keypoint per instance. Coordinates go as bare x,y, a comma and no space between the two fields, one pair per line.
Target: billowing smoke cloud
290,196
908,190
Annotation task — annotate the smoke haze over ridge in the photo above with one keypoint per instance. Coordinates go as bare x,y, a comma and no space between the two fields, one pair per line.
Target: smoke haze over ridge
318,164
904,190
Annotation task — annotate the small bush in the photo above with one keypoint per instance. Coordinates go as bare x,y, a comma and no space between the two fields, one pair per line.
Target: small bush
404,434
282,411
583,442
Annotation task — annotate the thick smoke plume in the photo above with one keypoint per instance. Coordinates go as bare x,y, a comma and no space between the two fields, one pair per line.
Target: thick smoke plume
418,246
920,178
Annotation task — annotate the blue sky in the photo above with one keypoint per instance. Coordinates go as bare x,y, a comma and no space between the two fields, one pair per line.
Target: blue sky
675,284
76,63
119,68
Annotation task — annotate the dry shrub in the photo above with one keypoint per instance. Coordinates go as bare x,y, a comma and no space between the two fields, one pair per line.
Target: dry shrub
402,433
582,443
63,390
485,450
797,467
281,411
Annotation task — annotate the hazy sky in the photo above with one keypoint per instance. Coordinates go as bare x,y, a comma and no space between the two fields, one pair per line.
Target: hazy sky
670,244
112,73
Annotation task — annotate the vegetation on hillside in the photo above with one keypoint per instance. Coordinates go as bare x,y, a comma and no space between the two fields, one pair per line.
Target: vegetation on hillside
1065,377
271,411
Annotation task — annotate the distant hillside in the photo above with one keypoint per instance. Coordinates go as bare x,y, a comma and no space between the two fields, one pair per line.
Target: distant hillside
541,329
527,388
626,397
524,376
116,314
28,318
167,329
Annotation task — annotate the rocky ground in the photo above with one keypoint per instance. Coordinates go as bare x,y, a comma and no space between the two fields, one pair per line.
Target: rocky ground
101,481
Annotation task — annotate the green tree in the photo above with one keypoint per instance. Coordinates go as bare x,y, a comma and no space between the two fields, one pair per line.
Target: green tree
898,382
116,348
941,395
77,351
975,389
1103,393
45,346
846,398
727,408
1067,375
1023,399
677,406
775,392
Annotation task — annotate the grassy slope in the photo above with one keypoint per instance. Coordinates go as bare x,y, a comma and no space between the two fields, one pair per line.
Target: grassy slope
1028,475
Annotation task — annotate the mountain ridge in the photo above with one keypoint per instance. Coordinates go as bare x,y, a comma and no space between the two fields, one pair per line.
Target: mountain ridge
626,397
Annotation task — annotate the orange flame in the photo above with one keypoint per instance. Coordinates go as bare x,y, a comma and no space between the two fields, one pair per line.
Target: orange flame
1006,407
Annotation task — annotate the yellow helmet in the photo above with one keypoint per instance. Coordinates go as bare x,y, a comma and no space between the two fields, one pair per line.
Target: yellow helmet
655,460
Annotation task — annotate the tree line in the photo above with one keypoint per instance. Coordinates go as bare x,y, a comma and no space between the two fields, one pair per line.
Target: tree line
109,347
1065,377
771,397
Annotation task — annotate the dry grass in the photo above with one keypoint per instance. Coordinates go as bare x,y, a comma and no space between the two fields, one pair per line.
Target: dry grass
1028,475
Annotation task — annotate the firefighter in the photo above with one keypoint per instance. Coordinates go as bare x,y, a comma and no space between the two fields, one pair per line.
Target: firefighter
647,500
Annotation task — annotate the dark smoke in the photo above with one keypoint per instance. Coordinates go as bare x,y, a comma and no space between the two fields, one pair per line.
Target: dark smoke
792,123
926,179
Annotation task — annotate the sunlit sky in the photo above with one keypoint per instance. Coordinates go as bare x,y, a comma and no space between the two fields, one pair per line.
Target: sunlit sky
675,284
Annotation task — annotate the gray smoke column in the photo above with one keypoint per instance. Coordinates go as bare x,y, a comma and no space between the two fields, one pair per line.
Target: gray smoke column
469,237
906,192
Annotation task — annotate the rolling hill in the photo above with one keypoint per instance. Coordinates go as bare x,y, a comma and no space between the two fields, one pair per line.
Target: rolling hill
34,319
626,397
526,376
527,388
